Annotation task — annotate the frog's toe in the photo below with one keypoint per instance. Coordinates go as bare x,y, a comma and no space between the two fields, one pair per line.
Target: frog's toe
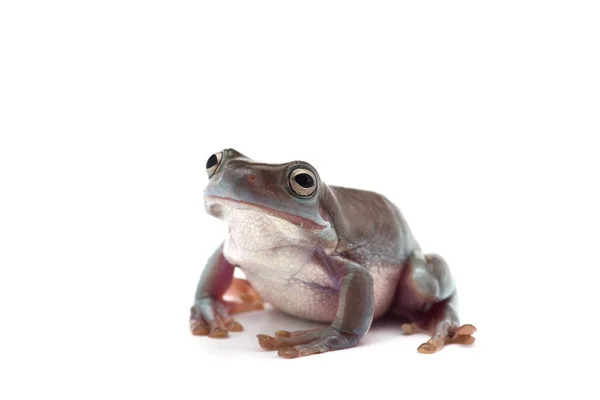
295,333
431,346
218,333
466,329
412,327
267,342
234,326
461,339
198,327
289,352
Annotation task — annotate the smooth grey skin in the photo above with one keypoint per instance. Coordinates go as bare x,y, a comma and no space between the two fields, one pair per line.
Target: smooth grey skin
324,253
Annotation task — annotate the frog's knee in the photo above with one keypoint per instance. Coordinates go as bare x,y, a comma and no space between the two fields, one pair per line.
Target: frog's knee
422,278
439,269
426,280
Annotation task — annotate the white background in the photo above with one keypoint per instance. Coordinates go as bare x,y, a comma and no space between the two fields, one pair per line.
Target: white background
479,120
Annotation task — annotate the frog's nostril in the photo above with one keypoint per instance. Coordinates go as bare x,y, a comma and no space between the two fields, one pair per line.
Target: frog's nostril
252,177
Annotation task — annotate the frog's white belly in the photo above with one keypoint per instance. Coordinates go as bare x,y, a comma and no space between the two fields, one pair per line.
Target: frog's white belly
288,279
277,258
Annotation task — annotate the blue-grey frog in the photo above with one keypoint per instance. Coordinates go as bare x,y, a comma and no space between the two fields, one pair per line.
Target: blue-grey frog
324,253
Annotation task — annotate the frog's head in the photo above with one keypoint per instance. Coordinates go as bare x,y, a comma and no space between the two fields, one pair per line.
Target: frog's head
289,191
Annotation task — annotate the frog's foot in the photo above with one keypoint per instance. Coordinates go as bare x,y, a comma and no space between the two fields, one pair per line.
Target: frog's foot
244,297
210,317
304,343
447,333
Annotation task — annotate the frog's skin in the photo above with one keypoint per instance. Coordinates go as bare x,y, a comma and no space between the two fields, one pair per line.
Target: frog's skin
323,253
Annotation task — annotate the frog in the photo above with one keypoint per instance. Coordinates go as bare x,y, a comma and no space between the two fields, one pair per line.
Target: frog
338,256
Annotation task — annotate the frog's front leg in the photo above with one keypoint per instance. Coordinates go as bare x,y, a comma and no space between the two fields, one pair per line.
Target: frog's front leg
352,320
211,314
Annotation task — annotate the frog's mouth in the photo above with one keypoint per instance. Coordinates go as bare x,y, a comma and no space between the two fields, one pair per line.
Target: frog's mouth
215,204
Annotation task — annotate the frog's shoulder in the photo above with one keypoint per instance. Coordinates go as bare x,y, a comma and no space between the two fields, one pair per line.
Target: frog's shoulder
364,218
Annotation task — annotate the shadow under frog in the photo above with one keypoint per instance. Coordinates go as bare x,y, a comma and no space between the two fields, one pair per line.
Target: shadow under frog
323,253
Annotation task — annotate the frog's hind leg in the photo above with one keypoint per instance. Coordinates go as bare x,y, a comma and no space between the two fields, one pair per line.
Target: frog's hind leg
241,297
426,295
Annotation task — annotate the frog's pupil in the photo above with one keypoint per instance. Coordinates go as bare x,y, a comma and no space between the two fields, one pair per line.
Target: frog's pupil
304,180
212,161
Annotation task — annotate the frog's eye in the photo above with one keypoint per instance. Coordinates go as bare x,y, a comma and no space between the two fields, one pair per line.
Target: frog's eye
303,182
213,163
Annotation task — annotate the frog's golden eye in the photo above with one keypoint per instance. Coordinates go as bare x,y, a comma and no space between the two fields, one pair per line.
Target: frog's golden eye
303,182
213,162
